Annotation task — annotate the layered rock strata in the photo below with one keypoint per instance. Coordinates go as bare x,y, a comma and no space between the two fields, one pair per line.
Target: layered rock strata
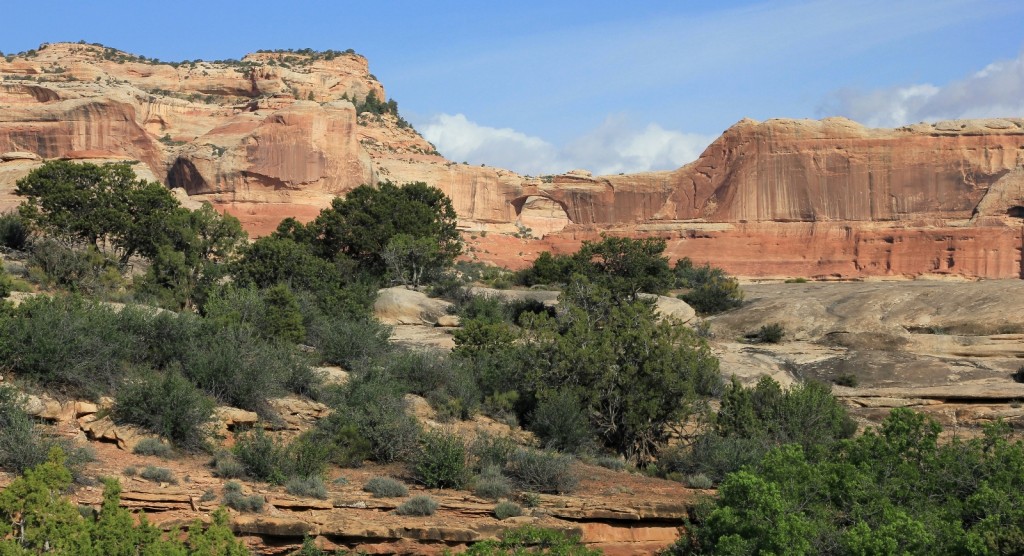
277,134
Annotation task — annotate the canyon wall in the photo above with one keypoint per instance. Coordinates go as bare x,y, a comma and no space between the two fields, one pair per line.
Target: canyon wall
280,134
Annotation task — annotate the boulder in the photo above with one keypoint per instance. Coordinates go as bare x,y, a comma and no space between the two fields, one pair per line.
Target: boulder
399,305
7,157
672,308
333,375
232,417
449,321
104,430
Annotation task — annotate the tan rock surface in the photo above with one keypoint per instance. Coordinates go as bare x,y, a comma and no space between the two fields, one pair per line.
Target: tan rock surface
946,348
402,306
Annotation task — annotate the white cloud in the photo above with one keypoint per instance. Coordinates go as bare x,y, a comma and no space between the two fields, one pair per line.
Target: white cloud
460,139
995,91
614,146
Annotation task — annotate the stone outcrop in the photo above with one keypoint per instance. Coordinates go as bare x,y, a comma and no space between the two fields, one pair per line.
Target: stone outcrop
946,348
277,134
401,306
619,512
265,136
823,199
666,307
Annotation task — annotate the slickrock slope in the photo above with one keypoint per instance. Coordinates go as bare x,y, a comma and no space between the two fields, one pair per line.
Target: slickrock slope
276,135
948,349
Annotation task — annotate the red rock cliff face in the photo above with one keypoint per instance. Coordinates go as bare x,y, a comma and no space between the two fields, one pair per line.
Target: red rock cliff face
275,135
834,199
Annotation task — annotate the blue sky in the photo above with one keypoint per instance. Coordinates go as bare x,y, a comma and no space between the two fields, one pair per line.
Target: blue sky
543,86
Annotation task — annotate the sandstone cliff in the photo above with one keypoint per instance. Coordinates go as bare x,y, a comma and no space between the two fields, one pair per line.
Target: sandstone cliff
277,134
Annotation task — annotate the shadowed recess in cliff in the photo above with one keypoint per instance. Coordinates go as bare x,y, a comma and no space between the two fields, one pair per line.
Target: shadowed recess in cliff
39,94
184,174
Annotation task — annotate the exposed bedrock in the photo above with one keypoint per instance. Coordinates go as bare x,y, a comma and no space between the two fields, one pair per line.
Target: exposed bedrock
276,135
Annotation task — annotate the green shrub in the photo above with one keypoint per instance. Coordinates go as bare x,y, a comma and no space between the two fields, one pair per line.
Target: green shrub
233,498
770,333
447,383
273,312
152,447
492,451
84,271
273,259
503,282
713,456
307,457
347,446
67,344
158,475
226,466
348,342
385,487
169,405
850,380
483,308
21,447
561,423
702,328
76,458
370,218
309,487
14,231
542,471
449,287
530,539
492,484
22,444
421,505
309,547
636,376
609,462
699,481
373,401
84,348
208,496
896,488
6,283
442,460
501,405
752,421
624,266
262,457
46,522
238,367
507,509
530,499
715,296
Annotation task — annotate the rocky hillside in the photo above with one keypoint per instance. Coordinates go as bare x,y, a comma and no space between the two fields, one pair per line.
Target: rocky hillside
280,133
620,513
